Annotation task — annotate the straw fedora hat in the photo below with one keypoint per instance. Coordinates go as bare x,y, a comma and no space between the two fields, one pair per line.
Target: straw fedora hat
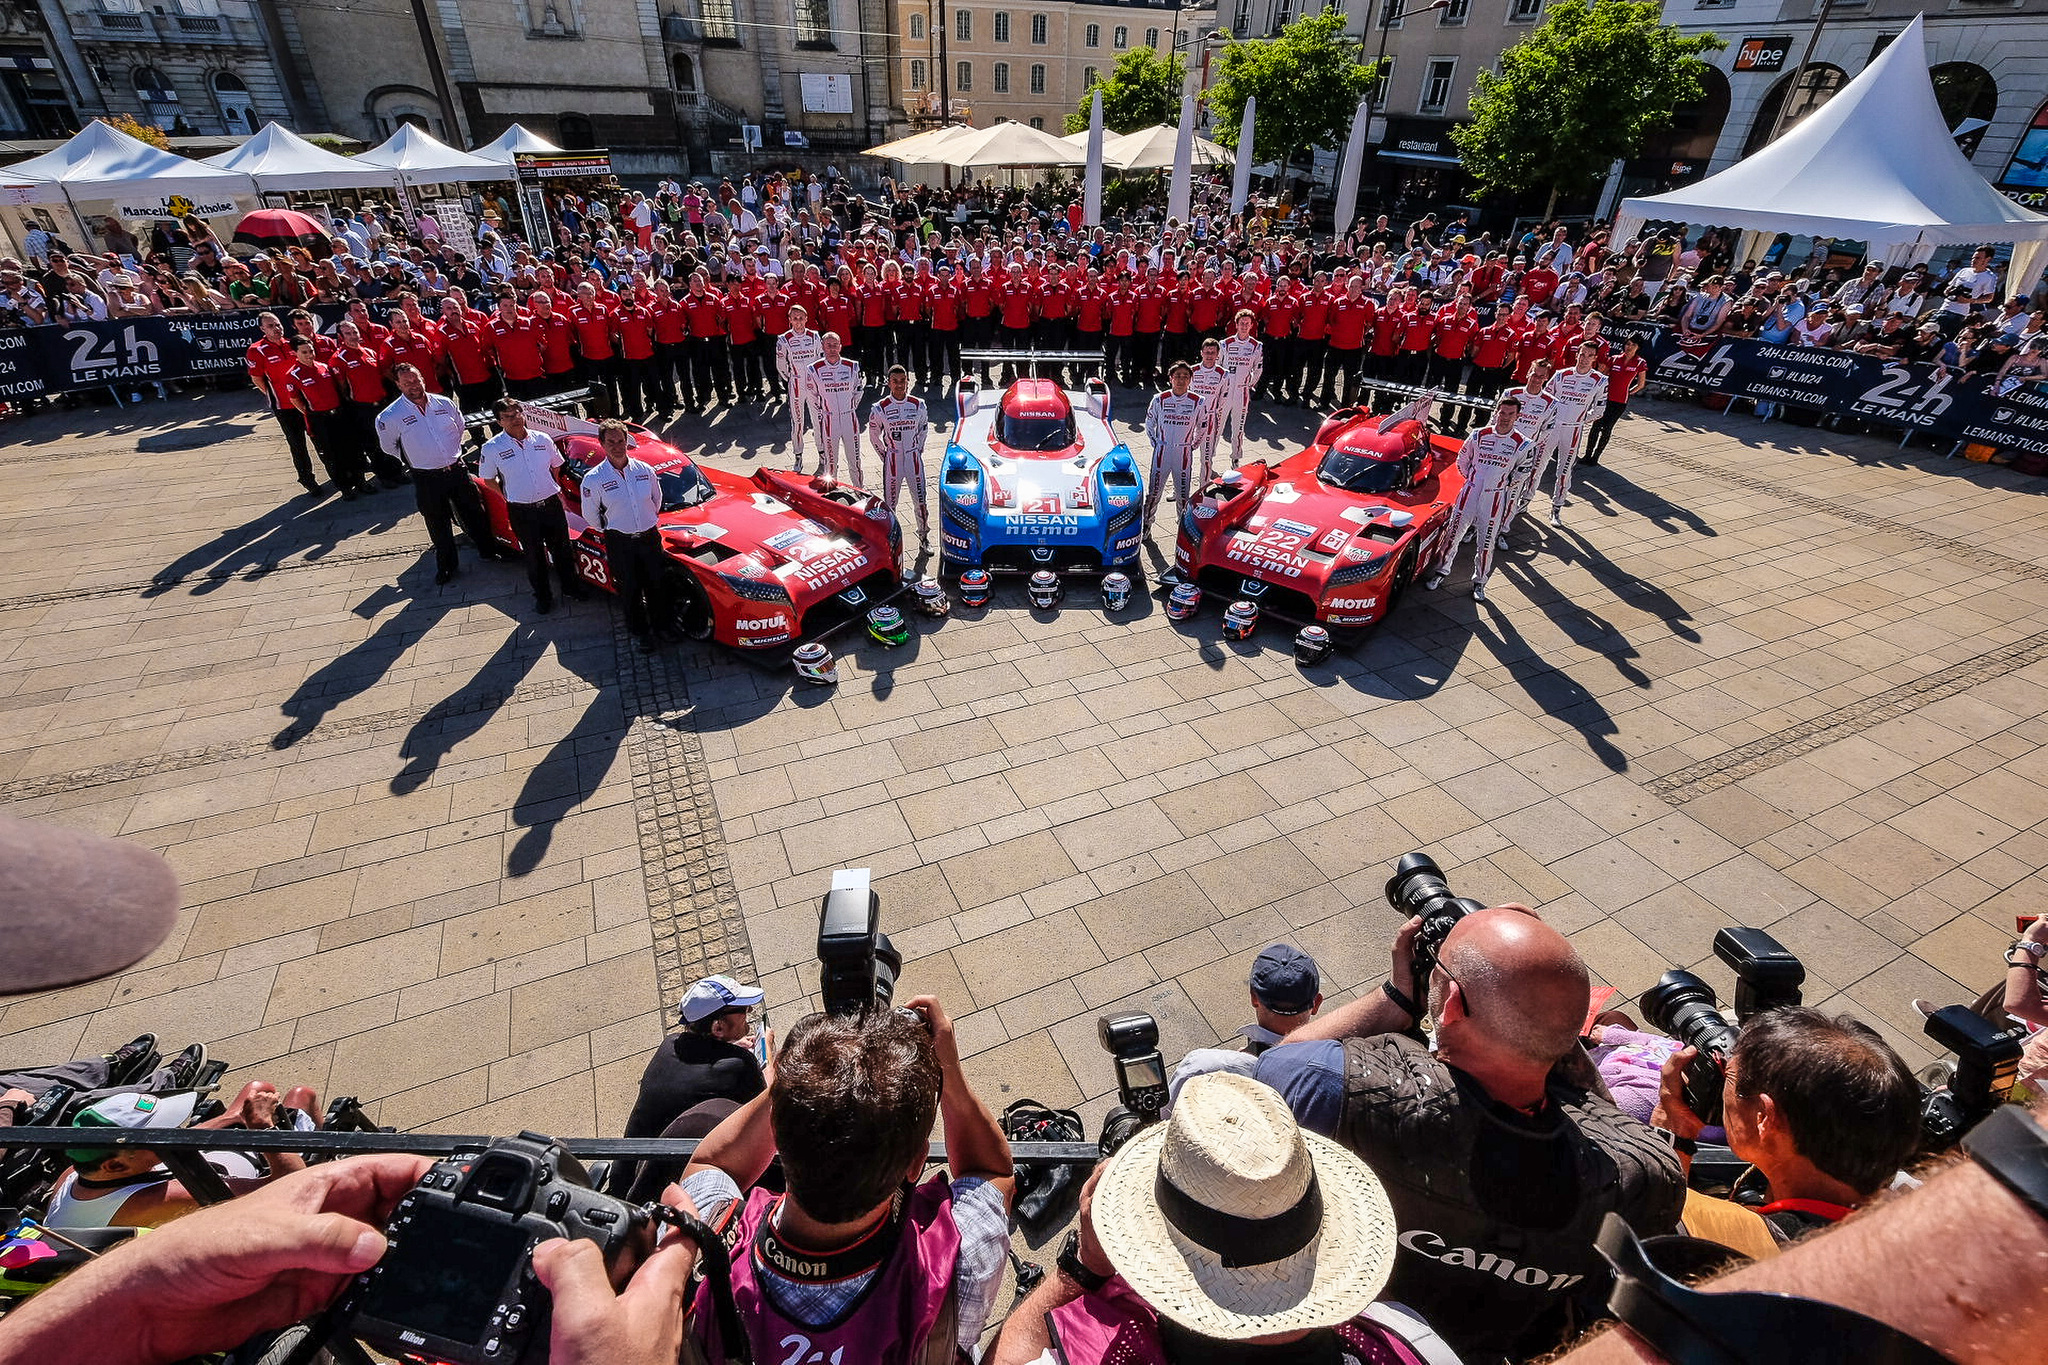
1234,1223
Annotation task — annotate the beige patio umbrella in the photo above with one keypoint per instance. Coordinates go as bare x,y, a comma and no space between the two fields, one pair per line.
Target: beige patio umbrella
1151,149
1009,144
917,148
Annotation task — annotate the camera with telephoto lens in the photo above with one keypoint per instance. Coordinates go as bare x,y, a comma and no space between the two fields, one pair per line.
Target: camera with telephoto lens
1767,975
1132,1038
1986,1069
1418,888
856,962
456,1281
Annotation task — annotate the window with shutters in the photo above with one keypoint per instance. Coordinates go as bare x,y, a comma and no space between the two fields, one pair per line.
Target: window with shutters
963,26
917,75
1038,28
1002,85
1038,78
1120,38
1092,36
963,76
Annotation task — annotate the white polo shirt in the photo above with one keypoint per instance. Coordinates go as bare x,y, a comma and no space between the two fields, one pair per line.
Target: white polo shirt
426,435
527,467
625,500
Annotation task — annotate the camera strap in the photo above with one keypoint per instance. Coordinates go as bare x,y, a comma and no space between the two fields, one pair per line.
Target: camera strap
714,1263
1688,1327
805,1266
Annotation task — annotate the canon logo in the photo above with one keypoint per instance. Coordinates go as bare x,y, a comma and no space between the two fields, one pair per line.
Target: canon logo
799,1266
1423,1242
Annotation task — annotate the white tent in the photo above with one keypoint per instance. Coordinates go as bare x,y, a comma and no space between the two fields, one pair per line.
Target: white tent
101,162
1006,144
1152,149
280,159
919,149
1875,164
421,159
514,140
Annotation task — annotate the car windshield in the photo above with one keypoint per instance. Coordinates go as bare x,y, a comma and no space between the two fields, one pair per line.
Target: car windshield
1359,473
684,486
1037,433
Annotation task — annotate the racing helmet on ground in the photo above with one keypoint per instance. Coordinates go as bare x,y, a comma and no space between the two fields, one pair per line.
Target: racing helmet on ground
887,626
1241,620
1311,645
930,597
1116,591
815,664
1184,602
974,588
1046,589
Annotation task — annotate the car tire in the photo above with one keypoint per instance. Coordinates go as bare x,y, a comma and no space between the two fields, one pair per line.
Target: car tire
693,619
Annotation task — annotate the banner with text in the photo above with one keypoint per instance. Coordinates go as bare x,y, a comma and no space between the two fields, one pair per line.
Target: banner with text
1944,403
62,357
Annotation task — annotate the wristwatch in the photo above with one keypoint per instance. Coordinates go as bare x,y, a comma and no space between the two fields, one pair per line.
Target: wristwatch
1074,1268
1684,1146
2032,950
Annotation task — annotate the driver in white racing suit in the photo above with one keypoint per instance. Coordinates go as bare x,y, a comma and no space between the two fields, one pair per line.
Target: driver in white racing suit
1534,424
1244,360
897,428
1578,397
1208,383
1488,460
835,389
795,352
1173,424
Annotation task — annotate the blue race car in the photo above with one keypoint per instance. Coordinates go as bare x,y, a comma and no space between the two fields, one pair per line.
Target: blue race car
1039,481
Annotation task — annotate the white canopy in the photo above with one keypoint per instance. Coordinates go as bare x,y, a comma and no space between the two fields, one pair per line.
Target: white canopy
280,159
513,140
921,149
1875,164
102,162
1152,149
421,159
1006,144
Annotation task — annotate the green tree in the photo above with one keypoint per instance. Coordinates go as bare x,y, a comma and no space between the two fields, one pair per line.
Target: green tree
1583,89
1141,91
1308,82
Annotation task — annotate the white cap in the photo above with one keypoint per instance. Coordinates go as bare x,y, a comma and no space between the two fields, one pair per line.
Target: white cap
715,994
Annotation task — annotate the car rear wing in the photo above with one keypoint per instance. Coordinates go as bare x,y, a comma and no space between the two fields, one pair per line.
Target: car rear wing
1028,361
1098,398
966,397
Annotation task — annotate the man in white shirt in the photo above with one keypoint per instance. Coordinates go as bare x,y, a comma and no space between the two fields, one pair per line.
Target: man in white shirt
1244,359
1980,277
622,496
1490,460
425,430
897,428
1207,382
796,350
836,386
523,463
1173,427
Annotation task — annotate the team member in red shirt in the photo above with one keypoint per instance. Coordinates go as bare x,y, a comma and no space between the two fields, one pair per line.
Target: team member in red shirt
1179,344
1494,348
1455,327
633,322
467,352
516,345
1532,345
1055,330
978,294
710,351
949,310
1278,317
1386,335
1014,298
268,359
1149,327
1418,334
361,365
1626,375
671,349
1120,304
1312,338
315,388
744,344
1351,319
409,345
557,341
597,352
1091,312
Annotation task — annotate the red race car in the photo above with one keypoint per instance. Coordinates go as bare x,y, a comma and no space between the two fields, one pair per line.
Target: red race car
1332,535
756,563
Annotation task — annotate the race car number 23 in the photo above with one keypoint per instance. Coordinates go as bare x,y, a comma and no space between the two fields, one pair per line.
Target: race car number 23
591,564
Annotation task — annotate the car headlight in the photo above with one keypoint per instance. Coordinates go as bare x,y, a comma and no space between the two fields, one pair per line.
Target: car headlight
755,589
1361,571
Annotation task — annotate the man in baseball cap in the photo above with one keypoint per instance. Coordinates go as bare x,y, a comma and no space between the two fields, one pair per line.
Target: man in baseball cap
1286,991
1225,1224
694,1079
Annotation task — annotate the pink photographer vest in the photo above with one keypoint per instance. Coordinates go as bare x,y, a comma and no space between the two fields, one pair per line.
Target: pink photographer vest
1116,1327
893,1320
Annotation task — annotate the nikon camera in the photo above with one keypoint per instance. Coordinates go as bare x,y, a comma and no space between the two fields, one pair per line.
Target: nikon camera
456,1282
1767,975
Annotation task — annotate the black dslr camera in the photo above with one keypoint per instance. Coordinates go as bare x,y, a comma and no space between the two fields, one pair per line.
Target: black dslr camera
1418,888
456,1283
1132,1038
857,965
1987,1067
1681,1004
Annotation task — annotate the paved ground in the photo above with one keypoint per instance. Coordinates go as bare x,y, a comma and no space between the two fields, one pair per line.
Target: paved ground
456,859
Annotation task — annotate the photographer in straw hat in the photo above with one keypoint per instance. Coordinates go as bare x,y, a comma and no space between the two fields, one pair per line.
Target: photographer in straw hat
1225,1234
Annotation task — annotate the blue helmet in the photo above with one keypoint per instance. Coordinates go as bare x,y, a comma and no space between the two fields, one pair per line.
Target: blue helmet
1241,620
1116,591
974,588
1184,602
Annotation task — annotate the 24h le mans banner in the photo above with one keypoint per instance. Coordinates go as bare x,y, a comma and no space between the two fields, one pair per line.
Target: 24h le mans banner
1943,403
62,357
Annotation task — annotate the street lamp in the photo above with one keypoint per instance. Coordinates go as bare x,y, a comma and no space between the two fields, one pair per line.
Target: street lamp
1393,10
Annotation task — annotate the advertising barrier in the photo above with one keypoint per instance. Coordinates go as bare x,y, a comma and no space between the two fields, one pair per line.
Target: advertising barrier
1941,402
62,357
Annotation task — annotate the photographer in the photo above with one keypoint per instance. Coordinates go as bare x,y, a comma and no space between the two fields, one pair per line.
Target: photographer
707,1068
1499,1152
1824,1110
855,1258
1286,991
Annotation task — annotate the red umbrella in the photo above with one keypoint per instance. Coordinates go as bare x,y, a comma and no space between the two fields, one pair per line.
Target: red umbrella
275,229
